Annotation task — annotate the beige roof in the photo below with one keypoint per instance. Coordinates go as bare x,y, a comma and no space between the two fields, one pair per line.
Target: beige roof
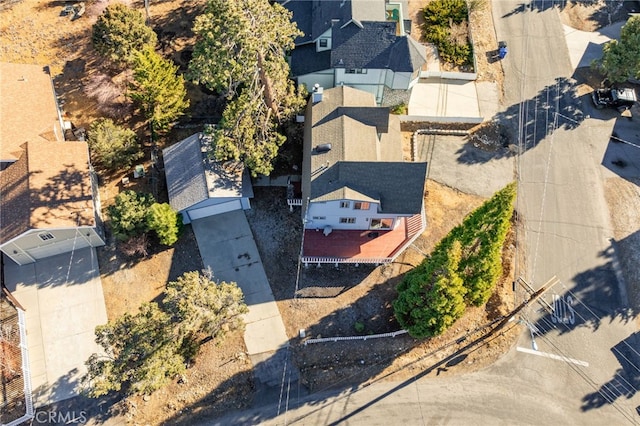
60,185
28,110
48,187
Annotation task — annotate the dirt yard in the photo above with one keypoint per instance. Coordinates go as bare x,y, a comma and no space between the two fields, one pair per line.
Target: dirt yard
324,302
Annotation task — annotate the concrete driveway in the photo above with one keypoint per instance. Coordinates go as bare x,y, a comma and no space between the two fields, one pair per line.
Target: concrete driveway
63,301
227,247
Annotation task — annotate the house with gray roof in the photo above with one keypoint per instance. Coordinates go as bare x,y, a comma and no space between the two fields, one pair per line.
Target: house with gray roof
200,186
356,186
358,43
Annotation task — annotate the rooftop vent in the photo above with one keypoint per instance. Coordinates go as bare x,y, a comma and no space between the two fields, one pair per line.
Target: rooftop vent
325,147
317,93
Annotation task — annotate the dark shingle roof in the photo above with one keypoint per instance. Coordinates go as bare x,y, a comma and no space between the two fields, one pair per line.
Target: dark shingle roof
375,46
305,60
302,16
184,171
361,37
193,177
398,185
365,159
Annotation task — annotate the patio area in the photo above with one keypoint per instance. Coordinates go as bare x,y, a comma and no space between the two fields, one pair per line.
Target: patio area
360,246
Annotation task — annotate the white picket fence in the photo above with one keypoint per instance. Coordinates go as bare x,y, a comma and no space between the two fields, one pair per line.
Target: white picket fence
343,338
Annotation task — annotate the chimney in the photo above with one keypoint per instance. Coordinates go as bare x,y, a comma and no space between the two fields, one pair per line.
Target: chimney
317,93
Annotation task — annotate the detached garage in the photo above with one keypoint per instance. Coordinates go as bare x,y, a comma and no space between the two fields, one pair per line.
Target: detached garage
199,186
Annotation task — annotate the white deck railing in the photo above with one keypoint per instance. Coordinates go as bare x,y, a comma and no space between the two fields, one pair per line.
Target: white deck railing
26,373
337,260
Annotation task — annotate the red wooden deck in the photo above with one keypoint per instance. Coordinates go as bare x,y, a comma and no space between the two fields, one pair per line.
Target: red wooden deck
355,244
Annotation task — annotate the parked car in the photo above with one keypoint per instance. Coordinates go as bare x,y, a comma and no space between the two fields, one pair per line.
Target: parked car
67,10
620,99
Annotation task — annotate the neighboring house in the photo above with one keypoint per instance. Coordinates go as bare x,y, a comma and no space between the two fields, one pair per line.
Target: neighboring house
199,186
48,192
361,203
358,43
16,400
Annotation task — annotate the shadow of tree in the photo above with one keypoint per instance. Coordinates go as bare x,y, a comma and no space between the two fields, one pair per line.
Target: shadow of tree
554,107
606,12
593,300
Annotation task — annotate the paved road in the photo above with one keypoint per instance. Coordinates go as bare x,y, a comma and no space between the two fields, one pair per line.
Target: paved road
567,224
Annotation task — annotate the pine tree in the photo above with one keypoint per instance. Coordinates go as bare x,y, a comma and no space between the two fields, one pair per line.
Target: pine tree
128,214
141,354
112,147
200,305
431,298
158,88
621,58
483,234
240,53
119,32
463,269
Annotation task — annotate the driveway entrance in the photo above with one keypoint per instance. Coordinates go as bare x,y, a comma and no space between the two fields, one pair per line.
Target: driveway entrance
227,247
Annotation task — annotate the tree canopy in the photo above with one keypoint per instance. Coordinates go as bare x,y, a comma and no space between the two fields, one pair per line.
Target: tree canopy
141,354
112,147
621,58
145,351
120,31
128,214
165,222
240,53
158,88
200,304
463,269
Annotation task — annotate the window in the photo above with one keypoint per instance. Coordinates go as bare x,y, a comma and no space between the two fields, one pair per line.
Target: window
319,217
381,223
355,71
360,206
344,204
46,236
324,42
347,220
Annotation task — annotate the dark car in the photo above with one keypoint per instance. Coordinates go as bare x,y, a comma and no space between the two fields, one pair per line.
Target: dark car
620,99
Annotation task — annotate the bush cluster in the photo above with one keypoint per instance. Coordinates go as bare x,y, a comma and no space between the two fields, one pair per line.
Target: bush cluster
135,213
462,270
440,17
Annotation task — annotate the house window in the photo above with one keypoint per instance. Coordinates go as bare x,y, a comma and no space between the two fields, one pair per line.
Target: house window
46,236
324,42
355,71
384,223
347,220
360,206
344,204
319,217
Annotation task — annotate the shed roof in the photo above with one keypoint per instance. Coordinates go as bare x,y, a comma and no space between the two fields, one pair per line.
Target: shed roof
193,177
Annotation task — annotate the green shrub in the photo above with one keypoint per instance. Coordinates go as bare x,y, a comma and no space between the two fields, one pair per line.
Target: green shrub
359,327
129,214
440,17
165,222
400,109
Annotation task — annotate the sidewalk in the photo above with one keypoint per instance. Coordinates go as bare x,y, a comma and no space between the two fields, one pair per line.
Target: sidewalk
585,47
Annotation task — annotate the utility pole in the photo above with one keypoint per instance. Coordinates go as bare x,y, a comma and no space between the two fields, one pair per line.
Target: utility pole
535,296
